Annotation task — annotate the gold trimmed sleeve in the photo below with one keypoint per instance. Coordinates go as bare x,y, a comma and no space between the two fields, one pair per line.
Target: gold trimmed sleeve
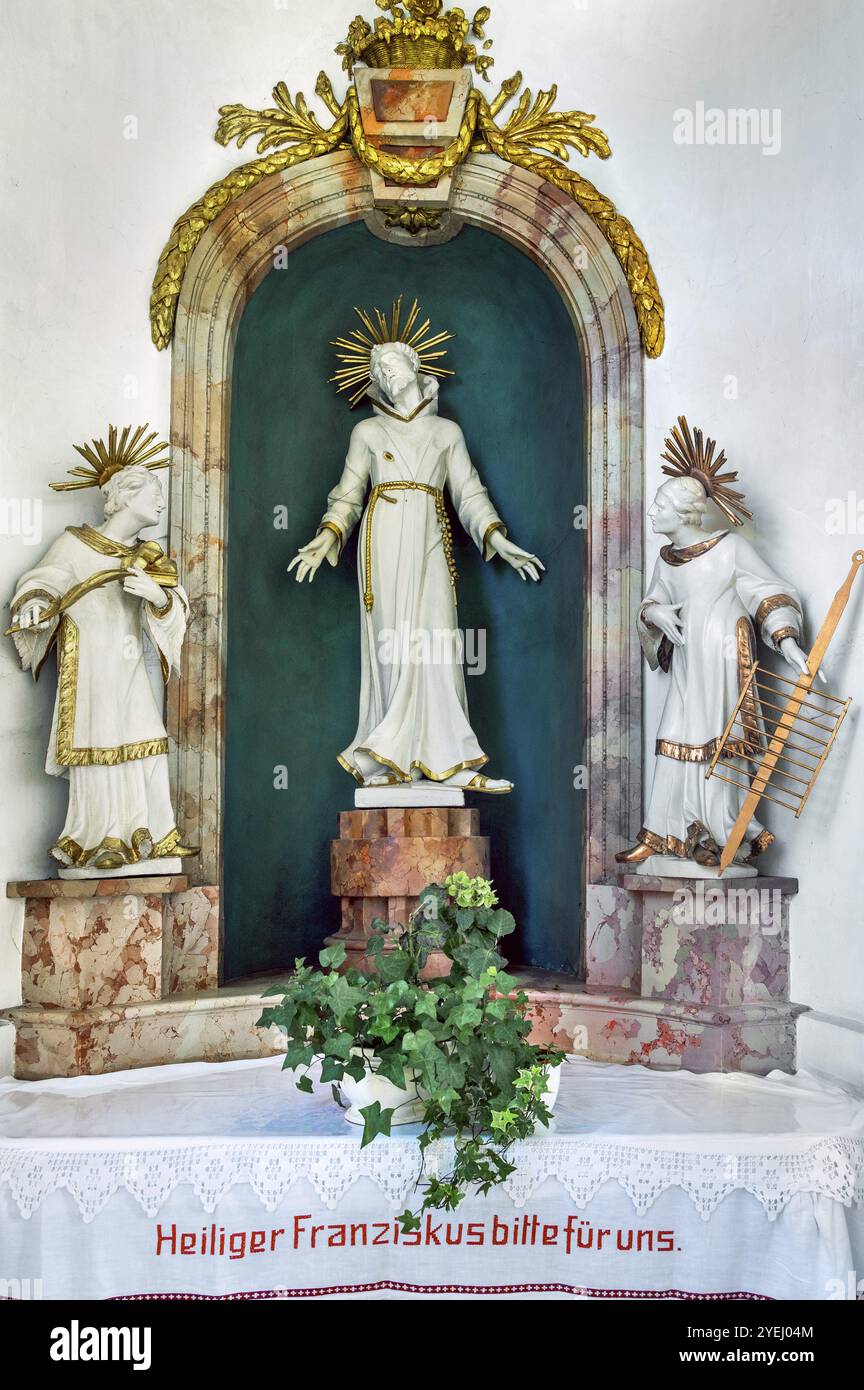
781,634
29,597
493,526
770,605
331,526
164,610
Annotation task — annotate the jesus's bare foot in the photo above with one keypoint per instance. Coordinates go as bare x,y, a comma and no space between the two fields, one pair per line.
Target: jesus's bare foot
471,781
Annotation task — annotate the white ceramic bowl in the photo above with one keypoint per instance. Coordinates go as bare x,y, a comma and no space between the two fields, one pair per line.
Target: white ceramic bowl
407,1104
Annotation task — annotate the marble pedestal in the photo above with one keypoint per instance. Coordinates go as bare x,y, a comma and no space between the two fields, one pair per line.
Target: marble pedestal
385,857
112,969
690,973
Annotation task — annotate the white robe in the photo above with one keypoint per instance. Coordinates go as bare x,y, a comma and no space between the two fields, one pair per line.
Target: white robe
413,717
107,733
722,589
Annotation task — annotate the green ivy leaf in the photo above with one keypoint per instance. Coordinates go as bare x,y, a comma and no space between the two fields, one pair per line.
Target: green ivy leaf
355,1067
339,1045
391,1064
332,1069
304,1084
502,923
503,1061
426,1005
375,1121
333,956
393,966
298,1054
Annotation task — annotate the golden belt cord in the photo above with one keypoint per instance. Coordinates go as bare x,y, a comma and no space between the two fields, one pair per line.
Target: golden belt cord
380,490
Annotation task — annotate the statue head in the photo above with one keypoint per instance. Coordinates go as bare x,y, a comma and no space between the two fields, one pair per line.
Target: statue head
680,502
137,491
393,367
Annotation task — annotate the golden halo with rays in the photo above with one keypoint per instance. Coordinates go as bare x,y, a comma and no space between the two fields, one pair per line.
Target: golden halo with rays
107,459
355,351
691,457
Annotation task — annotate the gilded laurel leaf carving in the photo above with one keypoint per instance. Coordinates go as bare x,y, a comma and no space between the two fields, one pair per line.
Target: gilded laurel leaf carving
538,127
289,121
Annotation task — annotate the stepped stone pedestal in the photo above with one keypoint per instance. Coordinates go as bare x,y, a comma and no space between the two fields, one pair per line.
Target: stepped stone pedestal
385,857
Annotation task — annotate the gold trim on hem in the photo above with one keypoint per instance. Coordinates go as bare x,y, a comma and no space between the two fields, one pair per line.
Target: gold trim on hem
406,776
358,776
113,853
164,610
708,851
67,755
687,752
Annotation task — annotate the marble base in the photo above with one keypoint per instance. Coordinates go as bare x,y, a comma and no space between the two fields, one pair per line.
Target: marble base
143,868
212,1026
98,955
418,794
384,859
617,1026
669,866
710,943
689,972
221,1025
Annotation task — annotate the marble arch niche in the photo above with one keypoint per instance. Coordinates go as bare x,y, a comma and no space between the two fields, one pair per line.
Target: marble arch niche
232,258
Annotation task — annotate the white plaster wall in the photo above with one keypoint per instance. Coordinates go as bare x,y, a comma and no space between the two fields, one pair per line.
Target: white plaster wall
757,257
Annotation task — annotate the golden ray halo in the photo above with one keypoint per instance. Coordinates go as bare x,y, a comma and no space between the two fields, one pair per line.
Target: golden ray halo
691,456
355,351
130,448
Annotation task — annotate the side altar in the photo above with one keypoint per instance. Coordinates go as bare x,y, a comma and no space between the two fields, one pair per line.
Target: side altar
678,966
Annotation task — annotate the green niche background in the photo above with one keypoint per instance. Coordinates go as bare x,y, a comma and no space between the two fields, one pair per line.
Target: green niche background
293,651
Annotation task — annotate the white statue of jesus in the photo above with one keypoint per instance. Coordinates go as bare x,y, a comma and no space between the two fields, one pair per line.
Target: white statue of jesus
413,723
97,592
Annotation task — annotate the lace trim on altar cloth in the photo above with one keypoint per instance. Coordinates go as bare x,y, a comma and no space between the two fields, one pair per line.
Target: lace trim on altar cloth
830,1167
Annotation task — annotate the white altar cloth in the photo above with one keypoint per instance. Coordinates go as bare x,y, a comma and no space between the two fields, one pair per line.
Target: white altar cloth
204,1180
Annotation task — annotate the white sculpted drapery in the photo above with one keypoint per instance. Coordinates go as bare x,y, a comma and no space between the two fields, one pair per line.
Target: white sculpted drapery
413,724
413,706
723,587
107,732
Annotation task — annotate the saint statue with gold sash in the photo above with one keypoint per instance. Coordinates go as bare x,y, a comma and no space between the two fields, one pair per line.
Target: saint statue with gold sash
97,594
413,724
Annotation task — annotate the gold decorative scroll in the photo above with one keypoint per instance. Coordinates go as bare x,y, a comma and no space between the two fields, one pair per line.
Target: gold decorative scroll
534,137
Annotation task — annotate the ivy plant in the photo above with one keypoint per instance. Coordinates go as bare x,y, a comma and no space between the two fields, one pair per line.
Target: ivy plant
463,1036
